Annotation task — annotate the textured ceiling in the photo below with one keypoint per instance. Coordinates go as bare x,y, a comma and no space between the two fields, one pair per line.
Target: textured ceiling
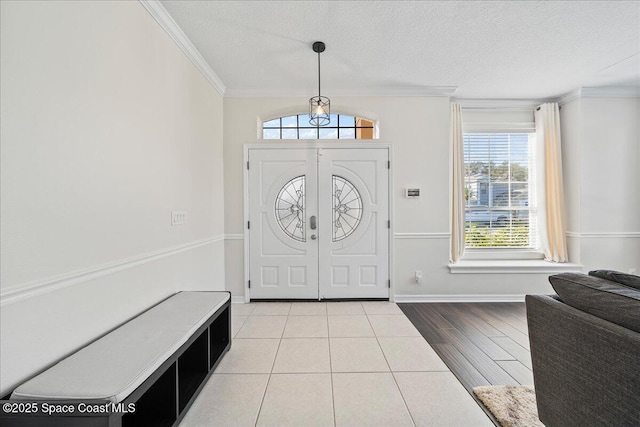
488,49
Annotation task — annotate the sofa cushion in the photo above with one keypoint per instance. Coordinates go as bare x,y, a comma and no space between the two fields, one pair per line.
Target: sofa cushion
600,297
616,276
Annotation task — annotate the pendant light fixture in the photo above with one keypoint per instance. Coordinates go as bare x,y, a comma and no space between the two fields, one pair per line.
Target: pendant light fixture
319,106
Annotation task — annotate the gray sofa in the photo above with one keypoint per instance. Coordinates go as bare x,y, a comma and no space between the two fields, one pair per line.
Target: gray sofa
585,350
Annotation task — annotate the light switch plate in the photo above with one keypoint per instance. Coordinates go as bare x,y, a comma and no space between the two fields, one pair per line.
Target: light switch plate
412,193
178,217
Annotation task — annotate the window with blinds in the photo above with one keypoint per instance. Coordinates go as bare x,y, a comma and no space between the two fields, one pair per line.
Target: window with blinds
500,207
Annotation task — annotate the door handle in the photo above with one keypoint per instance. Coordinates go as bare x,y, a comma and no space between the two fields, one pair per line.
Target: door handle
312,222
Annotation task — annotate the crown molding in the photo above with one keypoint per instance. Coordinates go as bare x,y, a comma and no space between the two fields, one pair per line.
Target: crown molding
611,92
427,91
499,104
160,14
529,104
570,96
266,93
600,92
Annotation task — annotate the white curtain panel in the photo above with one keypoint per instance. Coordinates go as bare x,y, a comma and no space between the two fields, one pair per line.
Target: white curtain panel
551,223
457,192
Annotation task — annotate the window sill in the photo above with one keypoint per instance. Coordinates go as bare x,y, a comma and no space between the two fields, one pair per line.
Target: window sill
512,267
502,255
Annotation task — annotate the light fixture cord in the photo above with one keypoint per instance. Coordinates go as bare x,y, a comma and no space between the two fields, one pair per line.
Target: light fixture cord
318,73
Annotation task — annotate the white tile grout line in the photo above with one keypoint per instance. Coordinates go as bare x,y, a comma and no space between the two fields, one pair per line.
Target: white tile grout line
333,398
241,325
253,307
391,372
272,365
331,372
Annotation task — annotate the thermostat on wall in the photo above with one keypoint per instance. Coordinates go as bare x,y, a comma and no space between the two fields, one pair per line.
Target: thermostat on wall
412,193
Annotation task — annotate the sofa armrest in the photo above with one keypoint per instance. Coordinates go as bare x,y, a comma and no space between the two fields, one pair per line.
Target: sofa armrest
586,370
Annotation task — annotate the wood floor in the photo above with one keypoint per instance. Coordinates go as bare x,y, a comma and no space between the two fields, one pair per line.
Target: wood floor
482,343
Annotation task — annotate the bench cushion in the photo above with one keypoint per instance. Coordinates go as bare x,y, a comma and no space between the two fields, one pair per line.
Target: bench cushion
113,366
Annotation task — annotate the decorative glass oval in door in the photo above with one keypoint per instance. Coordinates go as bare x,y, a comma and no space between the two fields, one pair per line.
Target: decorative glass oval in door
347,208
289,208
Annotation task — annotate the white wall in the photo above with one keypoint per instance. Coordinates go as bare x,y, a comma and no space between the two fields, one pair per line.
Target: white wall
418,128
106,128
571,135
601,153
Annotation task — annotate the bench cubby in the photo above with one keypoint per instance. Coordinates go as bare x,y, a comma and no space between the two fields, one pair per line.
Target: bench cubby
156,406
219,338
162,395
193,367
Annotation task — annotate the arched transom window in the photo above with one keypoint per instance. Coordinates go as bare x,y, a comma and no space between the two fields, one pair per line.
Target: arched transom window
298,127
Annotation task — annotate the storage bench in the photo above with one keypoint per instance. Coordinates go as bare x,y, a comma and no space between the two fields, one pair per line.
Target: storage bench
156,364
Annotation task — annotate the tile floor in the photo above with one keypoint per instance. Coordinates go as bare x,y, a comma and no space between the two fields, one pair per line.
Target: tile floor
331,364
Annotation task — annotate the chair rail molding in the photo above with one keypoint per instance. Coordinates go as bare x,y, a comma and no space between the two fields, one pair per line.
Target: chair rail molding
421,235
41,286
239,236
604,235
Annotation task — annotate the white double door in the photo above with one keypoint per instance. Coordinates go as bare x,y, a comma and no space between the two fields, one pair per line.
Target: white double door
318,223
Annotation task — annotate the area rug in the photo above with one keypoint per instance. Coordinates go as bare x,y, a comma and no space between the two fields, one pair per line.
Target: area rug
513,406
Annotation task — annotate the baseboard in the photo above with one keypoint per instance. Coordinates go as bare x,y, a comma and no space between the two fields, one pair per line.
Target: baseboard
460,298
239,299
